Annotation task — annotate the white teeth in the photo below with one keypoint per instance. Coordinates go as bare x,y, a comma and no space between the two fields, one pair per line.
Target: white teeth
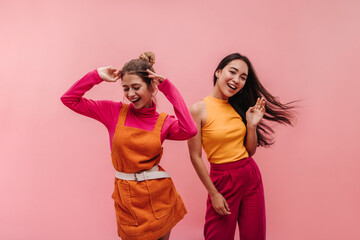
232,86
134,101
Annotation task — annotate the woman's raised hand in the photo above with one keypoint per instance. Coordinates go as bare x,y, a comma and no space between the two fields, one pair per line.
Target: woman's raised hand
255,114
109,74
157,79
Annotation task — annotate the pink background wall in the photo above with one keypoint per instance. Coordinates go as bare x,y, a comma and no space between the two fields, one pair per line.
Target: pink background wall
56,177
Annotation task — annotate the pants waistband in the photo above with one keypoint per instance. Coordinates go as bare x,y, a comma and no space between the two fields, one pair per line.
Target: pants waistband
231,165
235,165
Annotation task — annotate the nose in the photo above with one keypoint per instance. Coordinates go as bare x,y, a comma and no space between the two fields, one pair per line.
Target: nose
236,80
131,93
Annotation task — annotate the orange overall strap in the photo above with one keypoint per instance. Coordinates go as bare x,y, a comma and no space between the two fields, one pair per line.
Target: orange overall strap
122,114
160,122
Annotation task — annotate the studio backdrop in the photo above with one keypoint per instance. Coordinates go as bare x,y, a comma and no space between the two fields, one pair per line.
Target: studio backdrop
56,177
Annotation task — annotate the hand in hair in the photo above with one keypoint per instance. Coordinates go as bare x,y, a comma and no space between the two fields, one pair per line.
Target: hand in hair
109,74
157,79
255,114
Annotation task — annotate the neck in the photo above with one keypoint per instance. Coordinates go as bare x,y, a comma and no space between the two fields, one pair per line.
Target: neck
216,93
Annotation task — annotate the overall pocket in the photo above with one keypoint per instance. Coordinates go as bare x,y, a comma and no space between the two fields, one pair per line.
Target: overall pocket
163,196
125,214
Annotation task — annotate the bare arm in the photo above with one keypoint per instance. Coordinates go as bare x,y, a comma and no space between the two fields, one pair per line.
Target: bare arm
198,111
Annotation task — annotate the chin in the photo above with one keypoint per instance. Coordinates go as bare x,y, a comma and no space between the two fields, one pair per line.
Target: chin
138,107
233,93
228,95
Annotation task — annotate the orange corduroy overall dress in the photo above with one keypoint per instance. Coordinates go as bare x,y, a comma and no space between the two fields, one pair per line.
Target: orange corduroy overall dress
149,209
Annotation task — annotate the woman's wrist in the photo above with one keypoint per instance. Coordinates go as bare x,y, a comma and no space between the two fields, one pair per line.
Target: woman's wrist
163,84
213,193
162,80
250,126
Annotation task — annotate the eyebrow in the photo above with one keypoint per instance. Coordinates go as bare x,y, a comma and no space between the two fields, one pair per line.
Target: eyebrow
238,70
134,84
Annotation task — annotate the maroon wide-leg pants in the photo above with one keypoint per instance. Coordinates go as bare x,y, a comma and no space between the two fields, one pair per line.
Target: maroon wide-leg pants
241,185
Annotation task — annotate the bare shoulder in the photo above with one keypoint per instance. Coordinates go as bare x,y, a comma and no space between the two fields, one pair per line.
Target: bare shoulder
198,111
198,108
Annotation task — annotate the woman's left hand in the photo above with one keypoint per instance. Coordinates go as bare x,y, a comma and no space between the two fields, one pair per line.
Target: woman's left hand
157,79
255,114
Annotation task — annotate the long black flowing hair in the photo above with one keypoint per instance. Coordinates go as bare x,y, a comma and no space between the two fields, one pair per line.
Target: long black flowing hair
275,111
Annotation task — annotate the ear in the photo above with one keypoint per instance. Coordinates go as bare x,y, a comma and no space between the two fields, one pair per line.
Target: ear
153,86
217,73
154,89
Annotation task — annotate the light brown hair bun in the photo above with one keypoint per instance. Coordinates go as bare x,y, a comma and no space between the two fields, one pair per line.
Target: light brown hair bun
148,56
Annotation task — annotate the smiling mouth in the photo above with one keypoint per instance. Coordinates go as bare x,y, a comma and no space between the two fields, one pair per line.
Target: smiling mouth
232,86
135,101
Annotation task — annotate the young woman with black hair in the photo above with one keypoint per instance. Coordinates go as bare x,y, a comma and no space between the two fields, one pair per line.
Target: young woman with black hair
231,126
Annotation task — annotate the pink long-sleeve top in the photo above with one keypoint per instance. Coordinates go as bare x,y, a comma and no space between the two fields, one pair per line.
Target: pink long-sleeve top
107,112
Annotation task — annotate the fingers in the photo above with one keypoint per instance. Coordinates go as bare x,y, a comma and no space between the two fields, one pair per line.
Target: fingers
263,108
260,104
117,72
111,69
157,78
223,208
150,72
223,211
251,109
153,75
227,208
113,73
262,101
257,103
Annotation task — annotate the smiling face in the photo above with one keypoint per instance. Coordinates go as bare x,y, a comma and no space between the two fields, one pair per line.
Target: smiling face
231,79
137,91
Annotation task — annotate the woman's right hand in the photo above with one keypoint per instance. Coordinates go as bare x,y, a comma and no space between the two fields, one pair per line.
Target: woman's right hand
109,74
219,204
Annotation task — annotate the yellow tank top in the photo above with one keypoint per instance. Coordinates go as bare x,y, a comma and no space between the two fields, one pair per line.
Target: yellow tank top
223,133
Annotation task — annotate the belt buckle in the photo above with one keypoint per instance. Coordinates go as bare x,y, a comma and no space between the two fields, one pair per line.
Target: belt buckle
135,175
